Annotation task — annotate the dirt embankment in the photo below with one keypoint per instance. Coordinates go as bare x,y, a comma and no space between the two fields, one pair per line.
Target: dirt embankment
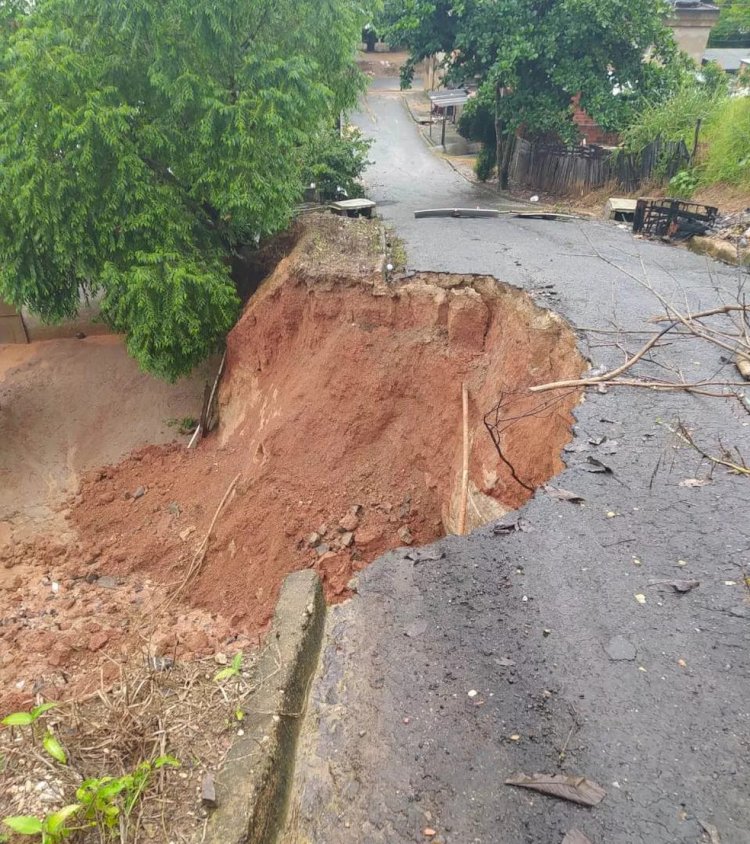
342,434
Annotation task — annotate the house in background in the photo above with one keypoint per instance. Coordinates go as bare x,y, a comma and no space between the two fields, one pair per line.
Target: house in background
692,22
730,59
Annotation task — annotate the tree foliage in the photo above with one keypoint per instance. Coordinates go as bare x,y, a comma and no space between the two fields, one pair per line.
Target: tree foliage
531,57
734,23
144,141
335,160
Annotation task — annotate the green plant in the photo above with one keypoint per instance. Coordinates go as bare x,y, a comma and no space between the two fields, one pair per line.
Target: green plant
676,117
26,719
684,183
232,670
50,829
185,425
334,161
143,145
104,800
726,156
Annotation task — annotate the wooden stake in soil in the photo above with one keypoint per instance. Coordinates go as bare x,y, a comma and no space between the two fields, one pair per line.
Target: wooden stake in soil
465,473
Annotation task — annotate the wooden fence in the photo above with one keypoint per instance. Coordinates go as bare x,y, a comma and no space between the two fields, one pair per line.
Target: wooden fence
561,170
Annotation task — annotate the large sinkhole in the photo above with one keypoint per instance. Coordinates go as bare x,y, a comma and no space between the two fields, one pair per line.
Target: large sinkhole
341,413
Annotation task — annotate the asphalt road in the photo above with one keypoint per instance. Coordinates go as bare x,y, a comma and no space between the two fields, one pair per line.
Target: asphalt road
444,677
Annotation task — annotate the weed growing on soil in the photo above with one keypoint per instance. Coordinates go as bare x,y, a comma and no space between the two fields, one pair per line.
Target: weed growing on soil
186,425
108,802
50,829
120,779
232,670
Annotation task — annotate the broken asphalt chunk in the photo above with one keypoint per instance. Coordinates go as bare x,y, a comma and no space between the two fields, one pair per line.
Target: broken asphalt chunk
506,527
570,787
620,649
598,466
563,494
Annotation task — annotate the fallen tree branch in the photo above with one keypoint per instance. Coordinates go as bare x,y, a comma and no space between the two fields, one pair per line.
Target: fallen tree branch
200,554
682,433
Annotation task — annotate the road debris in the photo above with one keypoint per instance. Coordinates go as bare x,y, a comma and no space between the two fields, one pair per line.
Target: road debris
743,365
208,792
641,598
681,586
598,467
693,483
516,525
570,787
711,831
620,649
424,556
416,628
563,494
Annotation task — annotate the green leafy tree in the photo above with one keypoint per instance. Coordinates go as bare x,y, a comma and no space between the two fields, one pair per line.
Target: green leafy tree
734,23
144,142
531,57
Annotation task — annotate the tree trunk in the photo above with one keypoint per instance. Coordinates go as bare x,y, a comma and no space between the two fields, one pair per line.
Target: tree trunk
498,138
507,152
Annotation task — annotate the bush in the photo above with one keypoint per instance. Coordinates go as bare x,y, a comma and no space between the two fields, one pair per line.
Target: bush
684,184
332,161
675,119
726,156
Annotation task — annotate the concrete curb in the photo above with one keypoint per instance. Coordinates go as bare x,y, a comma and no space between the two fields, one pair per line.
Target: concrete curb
252,788
719,250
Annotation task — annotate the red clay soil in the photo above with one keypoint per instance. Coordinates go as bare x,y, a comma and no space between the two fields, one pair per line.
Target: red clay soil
341,421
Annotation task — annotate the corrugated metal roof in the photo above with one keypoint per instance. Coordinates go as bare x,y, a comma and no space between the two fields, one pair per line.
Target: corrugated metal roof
728,58
449,97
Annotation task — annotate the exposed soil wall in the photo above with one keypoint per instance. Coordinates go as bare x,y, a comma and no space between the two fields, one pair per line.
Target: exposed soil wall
341,411
342,423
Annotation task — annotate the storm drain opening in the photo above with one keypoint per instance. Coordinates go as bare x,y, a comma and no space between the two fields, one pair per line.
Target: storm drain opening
342,429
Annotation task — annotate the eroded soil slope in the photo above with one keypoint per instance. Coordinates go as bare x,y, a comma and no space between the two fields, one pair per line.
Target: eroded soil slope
341,436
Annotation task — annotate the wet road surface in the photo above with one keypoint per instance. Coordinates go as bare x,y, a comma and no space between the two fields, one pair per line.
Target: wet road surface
393,742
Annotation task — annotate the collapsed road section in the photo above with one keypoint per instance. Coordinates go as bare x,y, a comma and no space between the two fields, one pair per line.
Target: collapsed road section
342,435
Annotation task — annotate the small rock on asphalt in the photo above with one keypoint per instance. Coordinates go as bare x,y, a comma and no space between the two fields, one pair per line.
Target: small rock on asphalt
620,649
416,628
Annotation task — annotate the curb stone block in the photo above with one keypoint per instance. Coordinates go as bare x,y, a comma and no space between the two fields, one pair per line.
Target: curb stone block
252,787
